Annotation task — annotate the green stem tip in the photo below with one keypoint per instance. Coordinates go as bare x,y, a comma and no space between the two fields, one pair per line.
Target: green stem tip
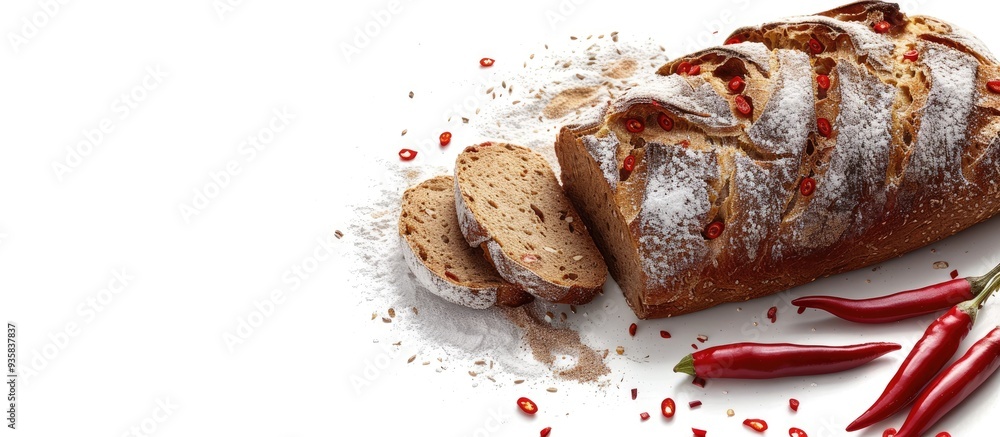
686,365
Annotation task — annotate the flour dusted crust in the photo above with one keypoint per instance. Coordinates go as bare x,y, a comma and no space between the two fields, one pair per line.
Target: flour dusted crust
911,157
435,251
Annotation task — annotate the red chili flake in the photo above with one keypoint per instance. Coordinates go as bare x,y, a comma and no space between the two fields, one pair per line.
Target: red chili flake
714,230
736,84
634,125
666,123
699,381
694,70
993,85
664,334
756,424
954,274
694,404
629,164
684,67
943,434
815,46
772,314
824,127
891,432
823,81
644,416
526,405
881,27
545,431
631,331
407,154
802,310
793,404
451,276
733,40
445,138
694,346
668,408
699,432
743,105
635,392
486,62
911,55
702,338
807,186
684,143
795,432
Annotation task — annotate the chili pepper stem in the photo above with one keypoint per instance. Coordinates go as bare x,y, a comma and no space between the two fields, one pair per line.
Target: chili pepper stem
971,307
686,365
980,283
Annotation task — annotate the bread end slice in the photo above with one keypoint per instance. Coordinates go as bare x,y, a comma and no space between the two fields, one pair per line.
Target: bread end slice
439,257
510,203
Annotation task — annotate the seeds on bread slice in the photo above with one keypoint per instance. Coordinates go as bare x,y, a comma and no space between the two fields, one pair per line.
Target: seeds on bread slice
438,255
510,204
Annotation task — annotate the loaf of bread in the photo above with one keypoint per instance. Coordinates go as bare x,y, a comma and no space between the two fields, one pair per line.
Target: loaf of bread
799,149
510,203
439,257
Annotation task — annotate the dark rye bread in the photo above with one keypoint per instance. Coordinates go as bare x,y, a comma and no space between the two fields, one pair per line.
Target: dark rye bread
511,204
867,134
438,255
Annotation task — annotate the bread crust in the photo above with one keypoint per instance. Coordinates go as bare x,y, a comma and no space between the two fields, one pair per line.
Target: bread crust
911,158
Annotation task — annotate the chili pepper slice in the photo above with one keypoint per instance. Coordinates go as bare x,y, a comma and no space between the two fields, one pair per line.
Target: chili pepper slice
644,416
902,305
545,431
699,432
526,405
793,404
668,408
796,432
889,432
756,424
407,154
444,138
486,62
953,385
762,361
632,328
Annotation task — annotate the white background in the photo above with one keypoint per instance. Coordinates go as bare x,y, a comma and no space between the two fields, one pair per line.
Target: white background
224,72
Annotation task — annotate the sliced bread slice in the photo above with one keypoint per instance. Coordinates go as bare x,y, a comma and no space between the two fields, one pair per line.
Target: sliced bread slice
438,255
510,204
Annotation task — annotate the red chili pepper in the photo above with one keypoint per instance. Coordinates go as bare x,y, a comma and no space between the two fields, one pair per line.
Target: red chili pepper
486,62
943,434
714,230
823,81
445,138
911,55
526,405
929,355
407,154
953,385
795,432
629,165
744,105
545,431
807,186
756,424
815,46
684,67
644,416
824,127
666,123
889,432
699,432
993,86
736,84
902,305
881,27
694,70
632,328
760,361
664,334
634,125
668,408
793,404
